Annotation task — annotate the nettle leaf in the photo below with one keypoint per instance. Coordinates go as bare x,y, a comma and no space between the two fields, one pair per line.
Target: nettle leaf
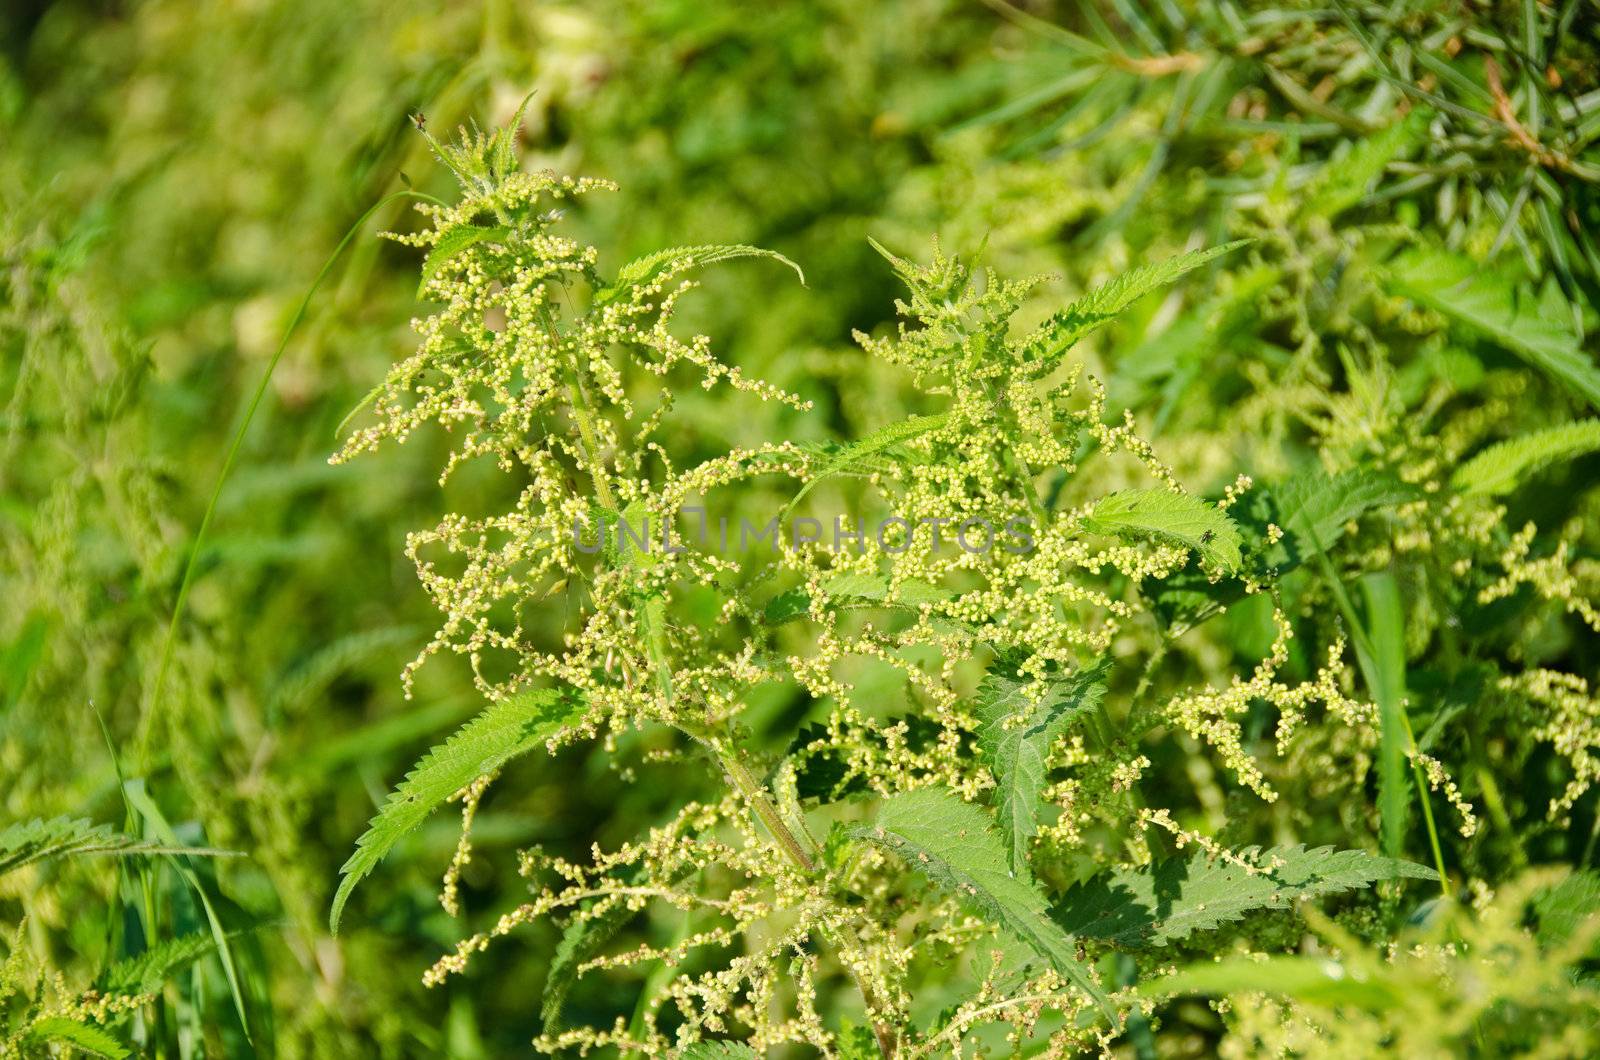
951,843
1178,518
855,1042
1045,347
853,590
62,837
1490,303
1158,905
867,449
1315,506
629,538
718,1051
664,264
1500,468
1567,906
59,1030
1343,182
1021,718
146,972
581,940
1181,352
453,241
885,462
502,732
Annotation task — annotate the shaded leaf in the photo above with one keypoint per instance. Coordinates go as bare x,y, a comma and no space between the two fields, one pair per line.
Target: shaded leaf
1564,908
146,972
133,791
1381,654
1045,347
1344,181
1500,468
1161,904
502,732
1315,506
951,843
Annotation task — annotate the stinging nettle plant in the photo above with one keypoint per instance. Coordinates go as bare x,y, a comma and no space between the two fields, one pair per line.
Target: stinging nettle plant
874,842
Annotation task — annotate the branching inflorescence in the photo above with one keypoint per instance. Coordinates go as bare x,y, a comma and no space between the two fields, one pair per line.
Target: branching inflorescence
977,561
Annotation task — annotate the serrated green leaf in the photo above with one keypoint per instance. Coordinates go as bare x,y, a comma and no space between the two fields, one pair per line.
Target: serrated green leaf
1045,347
1174,517
1564,908
1158,905
502,732
1496,306
453,241
664,264
503,145
869,448
718,1051
626,537
80,1035
851,589
1315,506
855,1042
59,837
1020,719
581,940
1344,181
1499,468
1194,340
952,843
146,972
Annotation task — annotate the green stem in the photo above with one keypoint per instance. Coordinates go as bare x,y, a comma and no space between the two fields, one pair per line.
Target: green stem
1427,807
653,621
756,796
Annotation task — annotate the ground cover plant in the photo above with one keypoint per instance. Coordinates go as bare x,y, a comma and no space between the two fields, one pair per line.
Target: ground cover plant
943,529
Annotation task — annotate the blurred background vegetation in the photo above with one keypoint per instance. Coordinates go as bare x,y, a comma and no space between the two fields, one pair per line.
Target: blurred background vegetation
173,175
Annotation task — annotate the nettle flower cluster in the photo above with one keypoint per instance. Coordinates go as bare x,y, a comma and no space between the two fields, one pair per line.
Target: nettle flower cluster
564,377
1025,441
543,390
536,361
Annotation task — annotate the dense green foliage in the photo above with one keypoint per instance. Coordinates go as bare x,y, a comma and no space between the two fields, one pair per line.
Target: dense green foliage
1271,328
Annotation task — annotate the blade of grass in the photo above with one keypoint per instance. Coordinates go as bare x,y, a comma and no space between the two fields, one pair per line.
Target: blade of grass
147,883
186,581
1380,653
158,823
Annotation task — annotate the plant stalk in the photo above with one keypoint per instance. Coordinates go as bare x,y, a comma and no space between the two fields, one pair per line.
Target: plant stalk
750,789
